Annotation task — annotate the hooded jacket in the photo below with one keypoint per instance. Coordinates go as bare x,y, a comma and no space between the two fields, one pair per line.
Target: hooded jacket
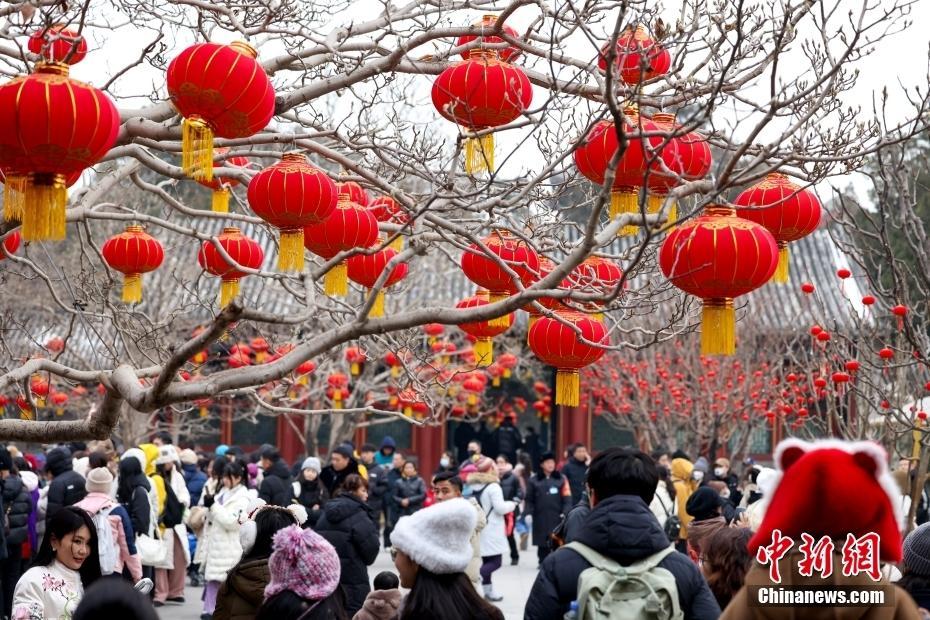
243,592
17,502
385,459
67,486
684,486
347,524
624,529
276,485
380,605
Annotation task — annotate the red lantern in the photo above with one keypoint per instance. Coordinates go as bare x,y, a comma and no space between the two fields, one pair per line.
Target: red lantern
596,275
433,332
823,336
508,362
355,357
853,365
816,329
483,331
394,363
840,377
868,300
221,185
349,227
305,369
133,252
354,192
337,391
886,353
639,57
842,274
51,129
556,342
900,312
480,93
243,250
487,23
785,209
58,44
365,269
260,346
687,156
807,288
10,244
290,195
717,257
386,209
25,409
239,357
55,345
220,90
486,271
820,382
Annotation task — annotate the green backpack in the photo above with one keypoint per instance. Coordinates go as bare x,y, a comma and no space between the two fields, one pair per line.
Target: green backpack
640,591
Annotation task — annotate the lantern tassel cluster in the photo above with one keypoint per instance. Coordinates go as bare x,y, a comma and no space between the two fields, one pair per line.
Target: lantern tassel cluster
718,327
197,152
479,154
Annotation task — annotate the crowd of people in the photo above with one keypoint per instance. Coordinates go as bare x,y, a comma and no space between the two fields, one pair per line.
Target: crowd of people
90,531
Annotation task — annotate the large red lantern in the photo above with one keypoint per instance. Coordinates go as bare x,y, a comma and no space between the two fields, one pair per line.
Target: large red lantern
10,244
243,250
51,129
133,252
785,209
220,90
221,185
487,23
481,93
290,195
483,331
348,227
569,342
687,157
551,303
639,57
386,209
718,257
365,269
487,272
58,44
597,275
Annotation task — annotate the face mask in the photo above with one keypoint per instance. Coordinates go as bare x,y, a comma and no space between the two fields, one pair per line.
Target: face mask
720,472
698,475
443,462
473,452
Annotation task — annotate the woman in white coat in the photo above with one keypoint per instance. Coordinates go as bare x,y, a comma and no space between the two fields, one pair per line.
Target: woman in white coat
486,489
219,549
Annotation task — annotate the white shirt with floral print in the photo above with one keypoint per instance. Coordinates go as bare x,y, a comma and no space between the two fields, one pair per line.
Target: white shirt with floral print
47,593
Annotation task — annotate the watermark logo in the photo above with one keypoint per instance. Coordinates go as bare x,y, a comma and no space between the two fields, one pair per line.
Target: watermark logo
859,555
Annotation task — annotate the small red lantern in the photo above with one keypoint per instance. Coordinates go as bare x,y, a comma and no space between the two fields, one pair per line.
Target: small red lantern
58,44
791,377
842,274
243,250
220,90
639,57
133,252
394,363
386,209
508,362
820,382
239,357
290,195
885,353
868,300
807,288
922,416
481,93
597,275
10,244
840,377
304,370
785,209
483,331
350,226
356,357
687,156
261,347
900,312
853,365
25,409
433,332
816,329
823,336
221,185
717,257
337,390
487,272
487,23
365,269
557,343
40,389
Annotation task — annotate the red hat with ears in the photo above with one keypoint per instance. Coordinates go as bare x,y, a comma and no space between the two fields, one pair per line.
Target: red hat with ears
833,488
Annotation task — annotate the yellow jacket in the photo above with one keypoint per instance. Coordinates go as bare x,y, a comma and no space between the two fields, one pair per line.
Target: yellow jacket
684,486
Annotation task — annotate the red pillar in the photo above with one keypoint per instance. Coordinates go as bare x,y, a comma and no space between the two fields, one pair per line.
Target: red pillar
290,436
574,426
428,444
226,424
361,437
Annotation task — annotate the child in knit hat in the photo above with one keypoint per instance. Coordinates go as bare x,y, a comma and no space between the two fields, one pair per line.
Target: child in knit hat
305,573
383,603
916,579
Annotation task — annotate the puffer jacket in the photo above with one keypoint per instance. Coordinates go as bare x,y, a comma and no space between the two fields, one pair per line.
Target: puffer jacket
219,548
623,529
413,489
67,486
309,494
242,593
276,485
576,472
17,503
347,524
487,492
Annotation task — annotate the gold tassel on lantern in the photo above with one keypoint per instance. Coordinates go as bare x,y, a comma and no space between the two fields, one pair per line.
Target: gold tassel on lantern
718,327
624,201
221,201
291,257
302,380
395,371
337,399
377,308
44,202
197,149
336,281
204,411
397,243
484,351
567,388
784,259
25,413
355,369
479,154
496,381
472,399
14,189
654,203
499,321
132,288
229,289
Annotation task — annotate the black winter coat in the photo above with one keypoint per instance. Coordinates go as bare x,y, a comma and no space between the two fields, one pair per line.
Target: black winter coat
276,485
413,489
377,487
624,529
548,503
312,494
66,489
137,504
508,441
332,479
575,471
347,524
392,476
18,502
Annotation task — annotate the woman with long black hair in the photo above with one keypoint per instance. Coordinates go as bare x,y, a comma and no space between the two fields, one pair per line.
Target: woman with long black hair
431,550
66,564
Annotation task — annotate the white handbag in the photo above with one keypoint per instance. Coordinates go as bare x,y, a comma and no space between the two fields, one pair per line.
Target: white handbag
156,552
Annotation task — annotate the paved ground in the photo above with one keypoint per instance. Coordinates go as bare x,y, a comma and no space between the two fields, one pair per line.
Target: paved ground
513,582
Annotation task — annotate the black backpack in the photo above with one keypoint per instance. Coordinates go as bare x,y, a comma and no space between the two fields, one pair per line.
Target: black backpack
174,509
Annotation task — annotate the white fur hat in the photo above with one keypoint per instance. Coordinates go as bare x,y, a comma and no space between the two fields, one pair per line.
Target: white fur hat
438,538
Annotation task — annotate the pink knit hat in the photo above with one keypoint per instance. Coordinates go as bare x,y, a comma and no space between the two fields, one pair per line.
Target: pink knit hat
303,562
